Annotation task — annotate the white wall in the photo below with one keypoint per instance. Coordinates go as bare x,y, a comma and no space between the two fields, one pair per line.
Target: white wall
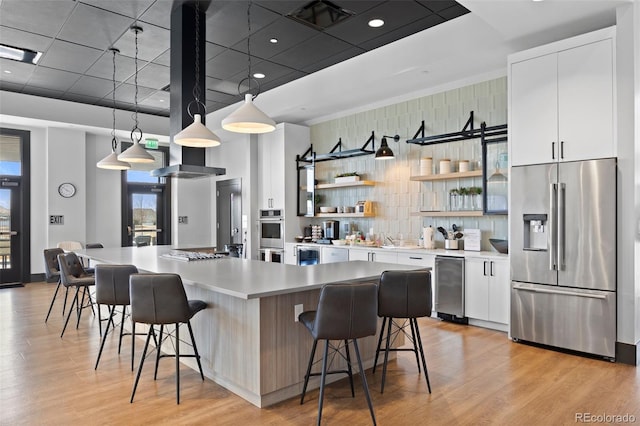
192,198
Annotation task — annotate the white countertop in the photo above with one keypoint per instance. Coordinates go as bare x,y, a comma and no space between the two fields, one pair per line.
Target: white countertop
242,278
439,252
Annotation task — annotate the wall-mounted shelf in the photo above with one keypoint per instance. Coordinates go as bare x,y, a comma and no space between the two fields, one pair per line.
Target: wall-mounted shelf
337,153
456,213
445,176
345,184
467,132
345,215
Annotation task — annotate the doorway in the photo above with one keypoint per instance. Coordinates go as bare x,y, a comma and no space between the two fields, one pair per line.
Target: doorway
15,264
229,214
146,203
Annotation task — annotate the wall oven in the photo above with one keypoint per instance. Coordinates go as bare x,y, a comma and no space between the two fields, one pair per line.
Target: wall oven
271,255
271,229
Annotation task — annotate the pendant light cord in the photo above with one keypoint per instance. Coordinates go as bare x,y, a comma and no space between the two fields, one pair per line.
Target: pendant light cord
196,87
136,30
249,41
114,141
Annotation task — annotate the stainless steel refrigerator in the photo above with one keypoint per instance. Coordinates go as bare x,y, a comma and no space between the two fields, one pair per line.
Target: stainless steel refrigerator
563,255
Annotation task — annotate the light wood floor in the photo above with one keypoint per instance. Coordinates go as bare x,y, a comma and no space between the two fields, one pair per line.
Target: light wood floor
478,377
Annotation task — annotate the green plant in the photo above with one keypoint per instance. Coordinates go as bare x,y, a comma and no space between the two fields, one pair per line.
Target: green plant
464,191
454,191
475,190
347,174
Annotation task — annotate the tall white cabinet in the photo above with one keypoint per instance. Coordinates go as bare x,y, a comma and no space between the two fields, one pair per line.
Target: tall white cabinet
561,100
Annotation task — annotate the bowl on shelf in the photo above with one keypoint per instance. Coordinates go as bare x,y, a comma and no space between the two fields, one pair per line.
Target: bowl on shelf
299,239
325,209
501,245
339,242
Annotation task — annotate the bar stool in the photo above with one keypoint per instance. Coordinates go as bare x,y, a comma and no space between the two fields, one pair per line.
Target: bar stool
112,289
72,274
52,271
345,312
405,295
159,299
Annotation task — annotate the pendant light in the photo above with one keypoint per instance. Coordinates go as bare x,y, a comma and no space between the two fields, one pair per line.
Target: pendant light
136,152
196,134
111,161
249,118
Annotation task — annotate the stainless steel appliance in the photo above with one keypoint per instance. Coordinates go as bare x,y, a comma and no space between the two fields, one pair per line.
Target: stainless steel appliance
563,255
331,229
271,229
449,288
307,255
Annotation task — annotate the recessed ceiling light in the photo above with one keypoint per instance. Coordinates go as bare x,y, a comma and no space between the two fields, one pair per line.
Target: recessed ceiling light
19,54
259,75
7,72
273,40
376,23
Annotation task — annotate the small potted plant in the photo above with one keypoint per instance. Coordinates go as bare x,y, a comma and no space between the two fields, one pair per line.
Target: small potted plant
454,195
476,199
347,177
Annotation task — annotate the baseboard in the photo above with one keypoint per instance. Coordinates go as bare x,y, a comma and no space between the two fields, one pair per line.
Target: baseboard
36,278
627,353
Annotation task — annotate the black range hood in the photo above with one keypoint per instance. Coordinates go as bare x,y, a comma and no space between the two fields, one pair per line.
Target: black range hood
186,162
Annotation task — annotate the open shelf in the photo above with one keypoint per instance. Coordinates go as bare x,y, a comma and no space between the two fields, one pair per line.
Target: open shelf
345,184
444,176
457,213
344,215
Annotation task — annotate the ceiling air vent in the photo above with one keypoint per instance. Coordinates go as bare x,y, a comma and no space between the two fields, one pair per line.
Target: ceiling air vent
320,14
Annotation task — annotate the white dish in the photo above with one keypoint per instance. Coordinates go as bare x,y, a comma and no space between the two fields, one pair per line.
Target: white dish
324,209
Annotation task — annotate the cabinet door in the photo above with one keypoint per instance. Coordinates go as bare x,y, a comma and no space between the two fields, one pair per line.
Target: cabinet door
533,126
290,251
271,170
358,254
476,285
384,256
333,255
499,291
585,99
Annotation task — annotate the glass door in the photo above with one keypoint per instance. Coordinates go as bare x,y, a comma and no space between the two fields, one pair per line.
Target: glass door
495,176
144,224
15,265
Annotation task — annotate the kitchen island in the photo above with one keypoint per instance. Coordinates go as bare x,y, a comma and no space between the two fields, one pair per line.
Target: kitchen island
248,339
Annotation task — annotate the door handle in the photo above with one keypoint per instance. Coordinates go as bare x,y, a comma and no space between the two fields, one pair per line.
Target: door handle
553,150
415,258
551,239
10,233
484,268
561,224
562,150
491,269
560,292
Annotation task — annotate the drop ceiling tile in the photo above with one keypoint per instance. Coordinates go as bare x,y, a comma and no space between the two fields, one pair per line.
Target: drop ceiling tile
226,64
332,59
294,75
91,86
214,106
153,41
282,7
82,99
131,9
152,75
126,93
164,59
360,6
43,91
158,14
453,11
70,57
94,27
49,78
19,72
287,31
437,5
227,21
395,15
12,87
219,97
23,39
224,86
213,50
404,31
271,70
103,67
36,16
311,51
158,99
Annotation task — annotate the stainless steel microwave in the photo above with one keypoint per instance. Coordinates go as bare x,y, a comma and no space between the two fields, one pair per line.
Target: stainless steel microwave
271,229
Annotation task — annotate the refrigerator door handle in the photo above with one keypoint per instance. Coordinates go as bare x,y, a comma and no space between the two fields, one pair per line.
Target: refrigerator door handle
561,224
565,293
551,239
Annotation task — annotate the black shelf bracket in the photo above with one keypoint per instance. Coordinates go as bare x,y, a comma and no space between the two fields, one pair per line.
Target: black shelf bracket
337,153
467,132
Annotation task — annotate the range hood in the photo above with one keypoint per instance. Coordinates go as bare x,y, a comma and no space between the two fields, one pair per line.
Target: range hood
185,162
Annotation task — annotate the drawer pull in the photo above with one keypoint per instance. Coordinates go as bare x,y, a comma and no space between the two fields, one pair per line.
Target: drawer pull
415,258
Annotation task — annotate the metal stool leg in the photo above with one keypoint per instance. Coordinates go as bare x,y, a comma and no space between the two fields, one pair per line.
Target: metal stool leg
177,363
386,354
375,361
346,349
121,329
133,342
104,338
424,361
306,376
365,386
322,379
158,350
73,303
195,349
415,343
53,300
144,354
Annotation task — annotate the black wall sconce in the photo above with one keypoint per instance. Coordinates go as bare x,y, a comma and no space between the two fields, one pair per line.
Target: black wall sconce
384,152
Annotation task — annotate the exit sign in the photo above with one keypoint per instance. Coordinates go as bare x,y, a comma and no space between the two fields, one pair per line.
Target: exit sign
151,143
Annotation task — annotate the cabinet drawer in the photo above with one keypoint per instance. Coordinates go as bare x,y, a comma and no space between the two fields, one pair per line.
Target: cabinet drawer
418,259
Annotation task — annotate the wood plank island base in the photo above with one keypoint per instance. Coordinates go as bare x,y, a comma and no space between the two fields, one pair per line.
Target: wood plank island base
248,339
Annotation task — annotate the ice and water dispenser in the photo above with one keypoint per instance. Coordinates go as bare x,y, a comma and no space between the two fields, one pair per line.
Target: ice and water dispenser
535,231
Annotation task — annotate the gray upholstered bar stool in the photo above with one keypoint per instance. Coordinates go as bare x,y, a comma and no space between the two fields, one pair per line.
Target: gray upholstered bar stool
52,272
403,295
112,289
159,299
345,312
72,274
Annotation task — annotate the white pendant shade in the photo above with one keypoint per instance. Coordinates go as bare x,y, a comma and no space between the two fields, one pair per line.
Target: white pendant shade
248,119
197,135
111,162
136,154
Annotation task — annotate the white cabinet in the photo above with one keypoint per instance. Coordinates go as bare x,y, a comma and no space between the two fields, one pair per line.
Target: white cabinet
290,255
334,254
561,103
426,260
271,174
380,255
487,289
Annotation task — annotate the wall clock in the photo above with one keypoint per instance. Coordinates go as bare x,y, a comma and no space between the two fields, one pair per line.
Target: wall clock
67,190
